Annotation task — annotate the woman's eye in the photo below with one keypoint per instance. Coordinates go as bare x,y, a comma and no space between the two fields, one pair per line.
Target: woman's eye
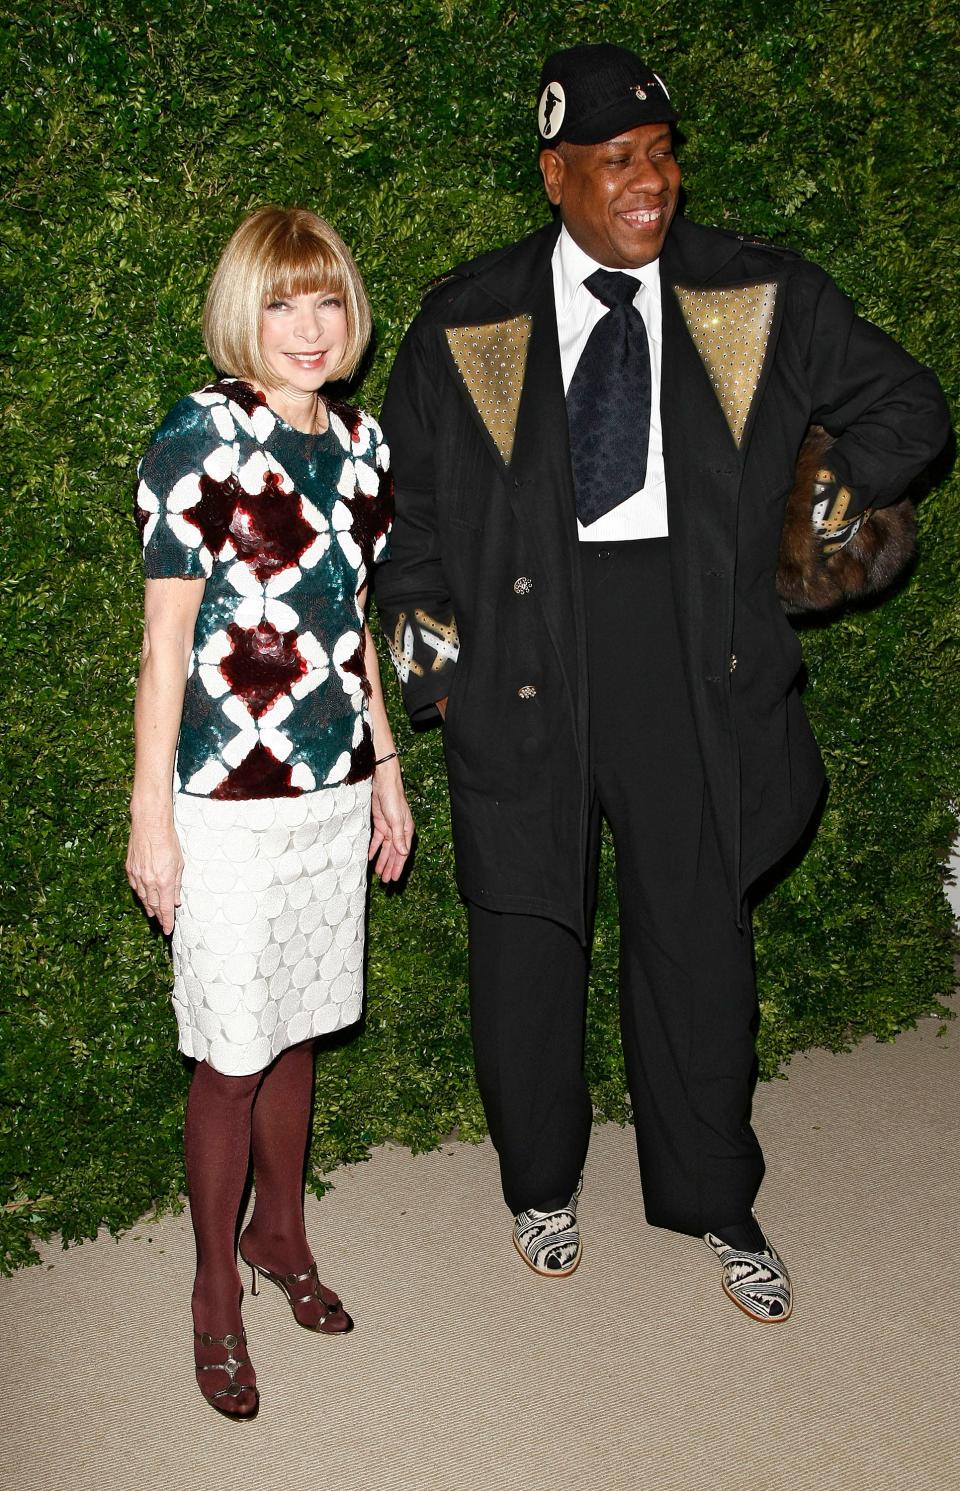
332,300
276,305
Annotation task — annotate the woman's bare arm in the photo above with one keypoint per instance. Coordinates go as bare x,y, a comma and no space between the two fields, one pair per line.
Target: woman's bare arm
392,836
154,862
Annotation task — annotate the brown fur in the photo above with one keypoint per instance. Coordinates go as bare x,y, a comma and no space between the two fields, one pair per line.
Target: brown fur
808,580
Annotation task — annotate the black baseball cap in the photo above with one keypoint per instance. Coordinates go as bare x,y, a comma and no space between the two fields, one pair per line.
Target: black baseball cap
589,94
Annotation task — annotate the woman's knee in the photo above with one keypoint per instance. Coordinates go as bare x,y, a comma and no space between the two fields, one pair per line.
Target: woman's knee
225,1087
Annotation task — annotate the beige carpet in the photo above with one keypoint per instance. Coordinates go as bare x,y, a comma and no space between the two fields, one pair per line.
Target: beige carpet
467,1373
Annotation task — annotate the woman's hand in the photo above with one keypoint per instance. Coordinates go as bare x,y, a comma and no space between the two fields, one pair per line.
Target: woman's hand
155,869
392,836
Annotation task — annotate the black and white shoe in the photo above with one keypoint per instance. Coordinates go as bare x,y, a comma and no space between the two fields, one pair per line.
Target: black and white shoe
758,1283
549,1241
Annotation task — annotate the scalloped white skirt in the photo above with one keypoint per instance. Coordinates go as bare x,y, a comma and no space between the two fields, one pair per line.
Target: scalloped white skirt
268,941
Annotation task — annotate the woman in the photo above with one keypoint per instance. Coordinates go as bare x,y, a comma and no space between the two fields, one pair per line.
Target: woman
262,507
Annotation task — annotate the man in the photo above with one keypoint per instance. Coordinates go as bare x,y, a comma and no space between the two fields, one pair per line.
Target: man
593,434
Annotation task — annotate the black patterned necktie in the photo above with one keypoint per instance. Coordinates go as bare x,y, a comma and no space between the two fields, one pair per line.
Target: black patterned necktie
608,401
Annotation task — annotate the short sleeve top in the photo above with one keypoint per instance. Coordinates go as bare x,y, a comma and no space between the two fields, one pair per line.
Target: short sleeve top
285,528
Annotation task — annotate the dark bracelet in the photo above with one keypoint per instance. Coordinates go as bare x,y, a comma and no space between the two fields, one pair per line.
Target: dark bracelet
390,756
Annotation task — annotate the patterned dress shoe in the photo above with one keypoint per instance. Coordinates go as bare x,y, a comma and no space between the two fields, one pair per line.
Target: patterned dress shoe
758,1283
549,1241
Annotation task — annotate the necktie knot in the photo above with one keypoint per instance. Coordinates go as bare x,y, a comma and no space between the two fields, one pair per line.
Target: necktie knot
612,287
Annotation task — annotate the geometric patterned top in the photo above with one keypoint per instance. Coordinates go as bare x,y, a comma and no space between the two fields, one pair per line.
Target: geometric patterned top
285,527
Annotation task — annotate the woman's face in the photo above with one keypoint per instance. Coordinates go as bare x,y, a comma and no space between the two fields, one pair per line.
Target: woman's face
303,337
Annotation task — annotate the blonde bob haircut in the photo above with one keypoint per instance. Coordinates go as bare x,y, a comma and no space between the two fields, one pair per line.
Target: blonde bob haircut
276,252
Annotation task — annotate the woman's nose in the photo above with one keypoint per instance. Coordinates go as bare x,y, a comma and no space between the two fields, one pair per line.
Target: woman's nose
309,326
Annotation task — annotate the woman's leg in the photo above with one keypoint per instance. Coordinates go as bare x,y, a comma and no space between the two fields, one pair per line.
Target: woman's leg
281,1128
275,1237
217,1146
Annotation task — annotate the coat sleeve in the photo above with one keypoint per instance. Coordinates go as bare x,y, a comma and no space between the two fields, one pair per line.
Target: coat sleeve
412,594
886,410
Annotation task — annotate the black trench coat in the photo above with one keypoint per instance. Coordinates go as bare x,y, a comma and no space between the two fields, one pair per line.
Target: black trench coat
481,599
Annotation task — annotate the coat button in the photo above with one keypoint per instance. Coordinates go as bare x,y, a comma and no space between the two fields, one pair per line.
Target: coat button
523,585
527,692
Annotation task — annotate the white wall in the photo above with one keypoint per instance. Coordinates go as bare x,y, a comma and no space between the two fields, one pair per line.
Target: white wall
953,891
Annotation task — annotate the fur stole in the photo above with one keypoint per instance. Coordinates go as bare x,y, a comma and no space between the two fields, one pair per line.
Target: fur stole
808,580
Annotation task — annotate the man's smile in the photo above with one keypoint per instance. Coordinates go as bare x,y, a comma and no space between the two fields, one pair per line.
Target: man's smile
641,217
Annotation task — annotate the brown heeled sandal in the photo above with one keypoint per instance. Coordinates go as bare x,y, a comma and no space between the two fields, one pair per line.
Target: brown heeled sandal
231,1366
287,1283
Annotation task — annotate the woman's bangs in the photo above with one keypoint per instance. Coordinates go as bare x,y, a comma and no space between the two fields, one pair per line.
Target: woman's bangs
304,266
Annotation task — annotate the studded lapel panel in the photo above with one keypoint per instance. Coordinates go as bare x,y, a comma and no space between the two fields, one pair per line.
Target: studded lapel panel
730,330
491,360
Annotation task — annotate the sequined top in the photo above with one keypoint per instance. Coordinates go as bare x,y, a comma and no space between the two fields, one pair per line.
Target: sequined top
285,528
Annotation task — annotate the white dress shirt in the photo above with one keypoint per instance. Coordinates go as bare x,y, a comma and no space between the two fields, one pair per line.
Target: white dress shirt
644,514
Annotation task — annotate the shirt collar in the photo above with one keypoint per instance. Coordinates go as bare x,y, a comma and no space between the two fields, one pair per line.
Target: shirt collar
576,266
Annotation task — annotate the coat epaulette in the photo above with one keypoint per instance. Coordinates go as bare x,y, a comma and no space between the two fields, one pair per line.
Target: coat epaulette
752,240
468,270
439,280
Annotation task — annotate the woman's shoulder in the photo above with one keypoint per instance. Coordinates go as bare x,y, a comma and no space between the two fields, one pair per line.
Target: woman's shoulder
358,432
218,408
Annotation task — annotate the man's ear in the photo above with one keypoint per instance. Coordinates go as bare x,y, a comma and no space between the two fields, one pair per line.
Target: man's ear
551,169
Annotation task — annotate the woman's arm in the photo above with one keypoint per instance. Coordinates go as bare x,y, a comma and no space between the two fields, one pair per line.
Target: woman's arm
154,862
392,836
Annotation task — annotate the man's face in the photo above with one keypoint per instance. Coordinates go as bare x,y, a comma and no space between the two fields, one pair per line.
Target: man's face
616,199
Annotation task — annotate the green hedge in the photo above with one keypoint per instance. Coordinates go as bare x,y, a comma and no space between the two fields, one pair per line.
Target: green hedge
132,139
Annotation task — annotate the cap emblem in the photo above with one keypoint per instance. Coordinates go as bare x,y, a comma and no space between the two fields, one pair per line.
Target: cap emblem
640,92
551,109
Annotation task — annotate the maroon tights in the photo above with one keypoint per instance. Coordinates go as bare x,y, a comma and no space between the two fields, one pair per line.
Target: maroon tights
268,1112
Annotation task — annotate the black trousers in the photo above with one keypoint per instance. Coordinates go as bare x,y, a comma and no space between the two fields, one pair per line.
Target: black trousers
688,1005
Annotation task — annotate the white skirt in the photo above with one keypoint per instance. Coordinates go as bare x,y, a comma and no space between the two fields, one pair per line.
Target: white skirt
268,940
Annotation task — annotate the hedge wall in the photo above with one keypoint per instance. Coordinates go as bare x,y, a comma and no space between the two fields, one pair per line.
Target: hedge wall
132,139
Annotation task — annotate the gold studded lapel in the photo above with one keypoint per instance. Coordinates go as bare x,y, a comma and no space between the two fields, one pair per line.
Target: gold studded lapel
731,331
492,360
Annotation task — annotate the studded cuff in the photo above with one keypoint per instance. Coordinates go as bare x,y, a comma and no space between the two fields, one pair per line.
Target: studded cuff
424,649
839,512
